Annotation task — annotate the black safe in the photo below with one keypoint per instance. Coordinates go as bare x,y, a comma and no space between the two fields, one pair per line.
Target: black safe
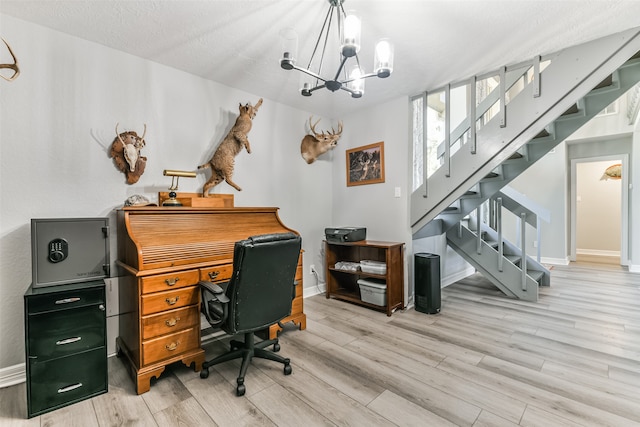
69,250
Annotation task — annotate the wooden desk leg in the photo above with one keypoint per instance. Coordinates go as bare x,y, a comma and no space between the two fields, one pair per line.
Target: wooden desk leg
300,320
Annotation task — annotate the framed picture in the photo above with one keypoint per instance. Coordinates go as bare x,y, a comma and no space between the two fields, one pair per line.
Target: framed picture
365,165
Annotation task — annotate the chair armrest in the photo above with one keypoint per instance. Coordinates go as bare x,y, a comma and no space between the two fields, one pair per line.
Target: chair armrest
216,290
213,303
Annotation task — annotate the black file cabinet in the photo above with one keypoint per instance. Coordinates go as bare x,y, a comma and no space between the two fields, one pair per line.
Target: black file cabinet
65,345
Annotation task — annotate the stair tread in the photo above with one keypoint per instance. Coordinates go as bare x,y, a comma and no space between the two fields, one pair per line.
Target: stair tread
535,274
513,258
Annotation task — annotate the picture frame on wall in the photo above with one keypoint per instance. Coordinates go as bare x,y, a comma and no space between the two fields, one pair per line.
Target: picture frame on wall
365,165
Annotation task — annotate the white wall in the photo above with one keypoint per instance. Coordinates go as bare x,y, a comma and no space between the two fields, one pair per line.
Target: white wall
57,123
375,206
598,210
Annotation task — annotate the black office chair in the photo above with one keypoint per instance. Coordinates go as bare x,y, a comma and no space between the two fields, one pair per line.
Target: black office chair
258,295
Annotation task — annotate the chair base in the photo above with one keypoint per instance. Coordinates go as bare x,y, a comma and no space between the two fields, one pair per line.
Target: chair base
247,350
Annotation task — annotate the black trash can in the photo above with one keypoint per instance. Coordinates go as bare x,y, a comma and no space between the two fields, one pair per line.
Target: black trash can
427,282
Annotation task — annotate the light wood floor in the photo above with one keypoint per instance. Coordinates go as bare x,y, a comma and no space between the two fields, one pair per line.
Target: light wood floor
572,359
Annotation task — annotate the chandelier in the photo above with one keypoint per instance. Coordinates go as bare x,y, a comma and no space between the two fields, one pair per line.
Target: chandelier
349,77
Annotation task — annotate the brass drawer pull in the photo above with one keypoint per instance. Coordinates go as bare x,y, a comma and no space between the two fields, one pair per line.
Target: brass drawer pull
172,301
69,388
213,274
171,282
68,341
172,322
67,300
172,346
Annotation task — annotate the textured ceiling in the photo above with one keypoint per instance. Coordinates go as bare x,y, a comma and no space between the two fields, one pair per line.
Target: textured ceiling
237,43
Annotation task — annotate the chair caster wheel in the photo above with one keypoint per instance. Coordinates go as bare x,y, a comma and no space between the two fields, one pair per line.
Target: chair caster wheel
287,369
241,389
276,347
204,373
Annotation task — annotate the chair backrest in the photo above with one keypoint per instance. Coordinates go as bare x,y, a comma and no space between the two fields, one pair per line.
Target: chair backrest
261,287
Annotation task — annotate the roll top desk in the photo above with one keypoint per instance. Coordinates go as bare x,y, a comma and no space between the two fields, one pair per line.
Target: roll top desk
164,252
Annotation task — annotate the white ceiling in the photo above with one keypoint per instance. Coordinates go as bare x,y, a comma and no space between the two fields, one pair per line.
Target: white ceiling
237,43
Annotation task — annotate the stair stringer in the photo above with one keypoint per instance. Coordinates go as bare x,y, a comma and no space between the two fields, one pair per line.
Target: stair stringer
509,280
572,73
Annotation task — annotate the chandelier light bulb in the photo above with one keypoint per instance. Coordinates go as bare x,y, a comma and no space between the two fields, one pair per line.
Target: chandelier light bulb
351,34
289,40
383,60
356,82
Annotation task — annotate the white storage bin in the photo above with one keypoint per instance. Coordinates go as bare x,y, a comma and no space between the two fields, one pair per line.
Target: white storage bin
373,291
374,267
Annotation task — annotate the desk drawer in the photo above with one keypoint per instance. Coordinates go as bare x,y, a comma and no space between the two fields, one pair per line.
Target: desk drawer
161,301
170,321
170,345
217,274
59,382
166,282
61,333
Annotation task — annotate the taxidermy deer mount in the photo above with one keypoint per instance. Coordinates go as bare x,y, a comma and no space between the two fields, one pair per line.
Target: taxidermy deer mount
14,66
317,144
223,159
125,150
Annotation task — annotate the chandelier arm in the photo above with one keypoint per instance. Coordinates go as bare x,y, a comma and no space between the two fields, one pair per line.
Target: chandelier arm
317,87
365,76
309,72
342,62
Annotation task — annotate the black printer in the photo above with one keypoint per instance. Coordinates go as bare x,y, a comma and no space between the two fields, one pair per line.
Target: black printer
345,234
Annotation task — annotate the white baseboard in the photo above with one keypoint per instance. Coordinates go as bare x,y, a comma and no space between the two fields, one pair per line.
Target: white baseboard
314,290
634,268
597,252
453,278
554,261
13,375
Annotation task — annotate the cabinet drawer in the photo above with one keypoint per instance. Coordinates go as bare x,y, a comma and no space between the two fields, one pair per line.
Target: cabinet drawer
60,333
169,321
217,274
169,345
59,382
65,300
165,282
161,301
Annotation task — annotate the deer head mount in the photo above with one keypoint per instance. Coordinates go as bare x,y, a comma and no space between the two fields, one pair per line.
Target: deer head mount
14,66
125,150
316,144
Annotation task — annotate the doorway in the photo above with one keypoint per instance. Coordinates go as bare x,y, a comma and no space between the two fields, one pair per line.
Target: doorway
599,209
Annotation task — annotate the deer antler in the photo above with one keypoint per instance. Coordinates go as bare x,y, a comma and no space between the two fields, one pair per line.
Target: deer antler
313,127
14,66
339,132
144,132
118,134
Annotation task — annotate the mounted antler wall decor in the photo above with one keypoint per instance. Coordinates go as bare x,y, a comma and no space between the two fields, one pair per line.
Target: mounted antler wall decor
125,150
14,66
317,144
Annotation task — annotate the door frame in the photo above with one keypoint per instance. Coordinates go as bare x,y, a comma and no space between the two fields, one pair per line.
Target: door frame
624,209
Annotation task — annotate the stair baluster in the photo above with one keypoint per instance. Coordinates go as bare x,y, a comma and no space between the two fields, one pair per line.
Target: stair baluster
479,229
447,131
499,230
523,266
472,115
503,101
